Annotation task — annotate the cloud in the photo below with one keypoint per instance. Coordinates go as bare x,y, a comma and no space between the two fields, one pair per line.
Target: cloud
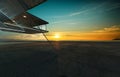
113,6
104,6
78,13
27,37
101,8
57,22
88,9
109,29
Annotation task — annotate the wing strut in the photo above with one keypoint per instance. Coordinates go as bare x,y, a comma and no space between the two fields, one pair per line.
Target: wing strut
49,42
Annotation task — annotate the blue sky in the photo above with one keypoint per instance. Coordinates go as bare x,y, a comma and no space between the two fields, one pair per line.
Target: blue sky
78,15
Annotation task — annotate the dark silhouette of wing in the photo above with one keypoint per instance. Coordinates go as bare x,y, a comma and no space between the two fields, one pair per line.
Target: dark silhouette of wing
12,8
29,20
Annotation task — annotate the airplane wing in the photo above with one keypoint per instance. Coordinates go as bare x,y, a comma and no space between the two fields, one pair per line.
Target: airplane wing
12,8
15,18
28,20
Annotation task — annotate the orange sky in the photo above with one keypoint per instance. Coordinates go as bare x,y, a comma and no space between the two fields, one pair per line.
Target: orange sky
77,36
108,33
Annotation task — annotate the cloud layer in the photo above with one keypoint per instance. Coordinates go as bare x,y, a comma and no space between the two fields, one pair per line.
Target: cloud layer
109,29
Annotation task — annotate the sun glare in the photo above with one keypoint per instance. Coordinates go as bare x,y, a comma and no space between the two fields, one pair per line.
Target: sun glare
57,36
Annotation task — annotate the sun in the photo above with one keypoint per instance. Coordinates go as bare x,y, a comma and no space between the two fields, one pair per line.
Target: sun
57,36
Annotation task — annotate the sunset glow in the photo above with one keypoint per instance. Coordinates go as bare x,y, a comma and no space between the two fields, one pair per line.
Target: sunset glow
57,36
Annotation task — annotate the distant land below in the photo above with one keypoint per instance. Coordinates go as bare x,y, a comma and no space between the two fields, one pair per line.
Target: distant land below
14,40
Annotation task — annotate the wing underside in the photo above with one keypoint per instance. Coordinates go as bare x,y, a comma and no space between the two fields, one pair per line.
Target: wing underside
29,20
12,8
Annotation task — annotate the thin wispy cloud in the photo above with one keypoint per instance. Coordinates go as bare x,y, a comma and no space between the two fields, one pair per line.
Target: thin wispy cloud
84,10
27,37
62,16
103,7
57,22
87,10
78,13
113,6
69,22
109,29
